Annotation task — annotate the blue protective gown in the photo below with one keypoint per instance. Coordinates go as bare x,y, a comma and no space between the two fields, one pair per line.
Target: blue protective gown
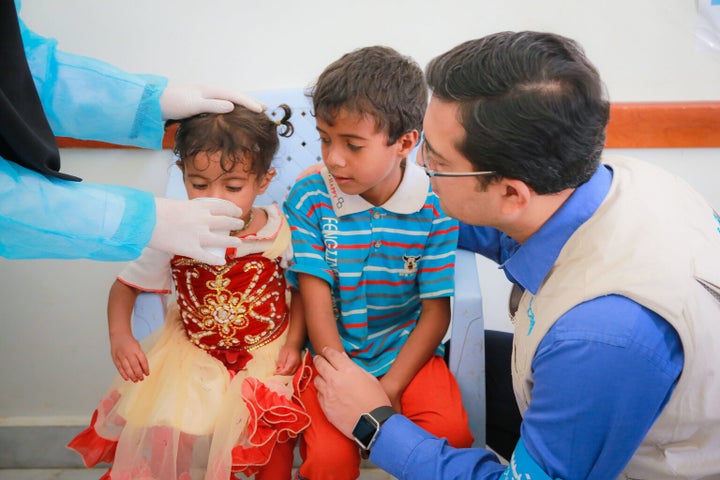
48,217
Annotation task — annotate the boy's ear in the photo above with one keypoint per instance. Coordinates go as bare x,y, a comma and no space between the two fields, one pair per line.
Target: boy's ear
407,142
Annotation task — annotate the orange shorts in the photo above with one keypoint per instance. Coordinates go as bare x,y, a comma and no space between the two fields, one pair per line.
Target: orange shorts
328,454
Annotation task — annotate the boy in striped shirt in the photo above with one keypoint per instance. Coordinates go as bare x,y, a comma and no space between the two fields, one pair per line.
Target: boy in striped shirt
374,253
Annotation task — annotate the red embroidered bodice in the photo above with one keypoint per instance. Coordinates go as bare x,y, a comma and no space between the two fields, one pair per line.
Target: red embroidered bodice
231,309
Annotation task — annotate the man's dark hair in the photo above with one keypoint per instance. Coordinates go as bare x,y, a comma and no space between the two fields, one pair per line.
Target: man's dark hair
376,81
532,105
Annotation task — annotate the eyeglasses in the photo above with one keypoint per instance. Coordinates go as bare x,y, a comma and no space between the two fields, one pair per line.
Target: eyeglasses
432,173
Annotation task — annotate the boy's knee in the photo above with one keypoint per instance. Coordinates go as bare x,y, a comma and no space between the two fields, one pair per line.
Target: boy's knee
331,460
331,471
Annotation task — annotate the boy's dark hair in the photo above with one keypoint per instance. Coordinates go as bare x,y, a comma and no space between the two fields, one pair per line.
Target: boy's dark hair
532,105
239,134
376,81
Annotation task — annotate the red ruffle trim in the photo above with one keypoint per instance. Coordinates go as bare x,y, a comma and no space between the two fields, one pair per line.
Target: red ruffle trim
92,447
234,360
273,419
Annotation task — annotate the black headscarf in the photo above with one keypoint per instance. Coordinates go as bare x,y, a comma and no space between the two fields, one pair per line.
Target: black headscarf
25,134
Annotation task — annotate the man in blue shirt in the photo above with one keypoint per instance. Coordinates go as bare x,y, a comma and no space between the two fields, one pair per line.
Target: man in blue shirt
617,266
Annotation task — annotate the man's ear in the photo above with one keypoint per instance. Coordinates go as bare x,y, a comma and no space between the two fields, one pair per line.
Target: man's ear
407,142
515,196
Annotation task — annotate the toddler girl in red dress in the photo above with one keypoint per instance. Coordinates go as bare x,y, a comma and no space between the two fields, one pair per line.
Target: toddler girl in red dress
217,391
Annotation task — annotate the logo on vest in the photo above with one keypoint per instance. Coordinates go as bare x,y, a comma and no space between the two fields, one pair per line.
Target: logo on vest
717,218
531,315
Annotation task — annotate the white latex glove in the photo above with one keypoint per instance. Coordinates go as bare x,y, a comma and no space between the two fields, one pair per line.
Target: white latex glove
182,101
190,228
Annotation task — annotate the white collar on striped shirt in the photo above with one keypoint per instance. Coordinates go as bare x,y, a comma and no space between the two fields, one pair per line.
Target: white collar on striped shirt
407,199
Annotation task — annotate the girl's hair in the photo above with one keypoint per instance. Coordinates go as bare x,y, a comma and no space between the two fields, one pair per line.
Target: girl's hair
239,135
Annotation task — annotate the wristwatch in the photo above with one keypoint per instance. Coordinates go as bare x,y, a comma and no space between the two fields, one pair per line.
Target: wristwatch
368,425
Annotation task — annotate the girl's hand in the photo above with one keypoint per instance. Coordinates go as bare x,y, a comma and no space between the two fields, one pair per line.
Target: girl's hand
128,357
288,360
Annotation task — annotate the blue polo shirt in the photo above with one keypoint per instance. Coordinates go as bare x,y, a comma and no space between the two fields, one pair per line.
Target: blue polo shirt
602,374
381,262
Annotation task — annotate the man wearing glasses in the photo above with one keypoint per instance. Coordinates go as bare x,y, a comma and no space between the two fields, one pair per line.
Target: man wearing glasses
616,265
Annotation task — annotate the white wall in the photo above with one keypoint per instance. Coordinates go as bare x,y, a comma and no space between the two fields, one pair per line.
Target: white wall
54,360
645,49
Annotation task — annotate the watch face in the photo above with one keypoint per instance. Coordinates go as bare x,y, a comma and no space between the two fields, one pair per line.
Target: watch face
365,430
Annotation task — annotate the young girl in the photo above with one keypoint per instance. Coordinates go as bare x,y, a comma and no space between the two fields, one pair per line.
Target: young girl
215,394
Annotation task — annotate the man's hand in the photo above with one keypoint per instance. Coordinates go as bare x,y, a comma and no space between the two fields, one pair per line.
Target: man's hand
187,227
182,101
345,390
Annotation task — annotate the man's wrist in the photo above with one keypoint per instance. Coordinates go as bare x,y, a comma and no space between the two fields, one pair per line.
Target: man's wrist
368,426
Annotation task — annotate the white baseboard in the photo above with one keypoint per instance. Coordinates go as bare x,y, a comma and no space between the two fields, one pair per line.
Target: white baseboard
38,446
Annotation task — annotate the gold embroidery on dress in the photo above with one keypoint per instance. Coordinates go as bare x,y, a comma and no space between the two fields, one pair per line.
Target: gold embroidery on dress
223,312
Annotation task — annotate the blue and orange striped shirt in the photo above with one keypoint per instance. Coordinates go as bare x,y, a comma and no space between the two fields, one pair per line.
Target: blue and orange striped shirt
380,261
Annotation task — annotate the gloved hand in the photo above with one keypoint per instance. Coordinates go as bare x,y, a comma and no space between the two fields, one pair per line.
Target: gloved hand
182,101
188,227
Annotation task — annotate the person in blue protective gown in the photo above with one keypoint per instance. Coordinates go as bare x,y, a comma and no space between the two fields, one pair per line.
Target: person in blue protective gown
46,213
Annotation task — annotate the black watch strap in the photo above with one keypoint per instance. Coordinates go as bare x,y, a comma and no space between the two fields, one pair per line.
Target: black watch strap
367,427
381,414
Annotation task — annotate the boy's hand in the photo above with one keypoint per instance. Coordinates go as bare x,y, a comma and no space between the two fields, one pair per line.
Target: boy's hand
309,171
288,360
128,357
394,393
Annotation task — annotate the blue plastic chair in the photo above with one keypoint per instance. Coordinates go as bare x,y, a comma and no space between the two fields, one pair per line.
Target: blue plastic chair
295,154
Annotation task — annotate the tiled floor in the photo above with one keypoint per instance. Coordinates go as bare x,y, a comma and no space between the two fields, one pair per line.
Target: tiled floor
30,474
94,474
19,446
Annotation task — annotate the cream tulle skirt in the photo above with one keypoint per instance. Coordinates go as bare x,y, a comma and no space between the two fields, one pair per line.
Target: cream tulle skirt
191,418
